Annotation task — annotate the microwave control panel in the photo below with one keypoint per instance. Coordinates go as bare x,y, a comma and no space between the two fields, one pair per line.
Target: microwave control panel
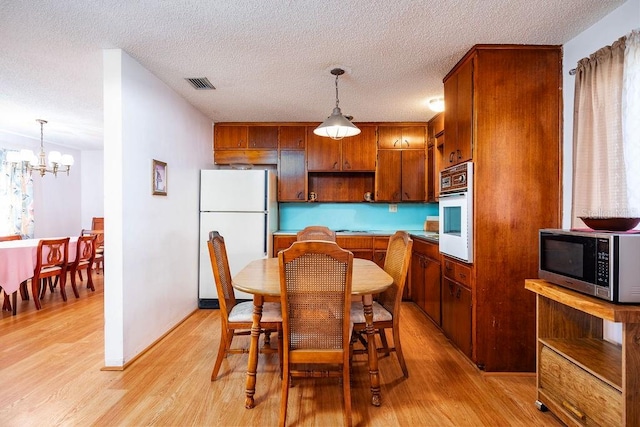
602,263
455,179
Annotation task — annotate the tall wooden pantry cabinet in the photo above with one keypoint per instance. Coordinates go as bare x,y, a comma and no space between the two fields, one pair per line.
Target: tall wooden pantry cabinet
503,112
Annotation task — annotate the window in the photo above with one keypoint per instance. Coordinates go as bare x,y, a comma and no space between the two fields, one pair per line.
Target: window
16,199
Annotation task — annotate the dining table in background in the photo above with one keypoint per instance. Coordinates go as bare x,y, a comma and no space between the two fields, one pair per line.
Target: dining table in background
18,259
261,278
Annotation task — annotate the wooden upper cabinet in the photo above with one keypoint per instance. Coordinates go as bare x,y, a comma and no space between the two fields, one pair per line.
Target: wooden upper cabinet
323,154
389,176
413,177
402,137
292,178
359,152
400,176
458,95
352,154
241,137
292,138
262,137
436,124
230,137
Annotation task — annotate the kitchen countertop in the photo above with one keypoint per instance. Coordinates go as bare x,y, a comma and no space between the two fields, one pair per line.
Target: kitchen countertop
430,236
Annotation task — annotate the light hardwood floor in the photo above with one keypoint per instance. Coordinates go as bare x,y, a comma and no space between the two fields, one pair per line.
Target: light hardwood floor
50,374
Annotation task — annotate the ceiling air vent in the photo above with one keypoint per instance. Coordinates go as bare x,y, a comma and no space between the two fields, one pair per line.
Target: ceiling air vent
200,83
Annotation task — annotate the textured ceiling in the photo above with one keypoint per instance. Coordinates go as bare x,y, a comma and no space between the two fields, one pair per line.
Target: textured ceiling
268,59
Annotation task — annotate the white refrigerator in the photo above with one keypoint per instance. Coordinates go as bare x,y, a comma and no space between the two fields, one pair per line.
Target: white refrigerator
241,205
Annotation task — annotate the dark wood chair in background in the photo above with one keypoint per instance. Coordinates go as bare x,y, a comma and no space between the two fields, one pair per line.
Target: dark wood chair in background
236,318
386,307
85,253
97,225
316,232
315,294
98,252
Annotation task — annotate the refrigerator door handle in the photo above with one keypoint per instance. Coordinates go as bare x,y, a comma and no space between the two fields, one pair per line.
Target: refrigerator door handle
265,233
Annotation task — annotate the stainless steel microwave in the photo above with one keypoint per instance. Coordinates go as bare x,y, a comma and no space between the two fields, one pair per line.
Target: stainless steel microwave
602,264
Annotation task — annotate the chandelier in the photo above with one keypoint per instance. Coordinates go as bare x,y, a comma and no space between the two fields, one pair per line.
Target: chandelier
30,162
336,126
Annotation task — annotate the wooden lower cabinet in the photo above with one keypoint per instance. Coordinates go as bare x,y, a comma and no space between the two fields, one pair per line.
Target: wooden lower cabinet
282,242
582,378
360,246
380,244
457,304
456,314
425,278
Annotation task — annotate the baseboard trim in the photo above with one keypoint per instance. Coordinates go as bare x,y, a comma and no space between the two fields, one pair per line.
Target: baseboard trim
149,347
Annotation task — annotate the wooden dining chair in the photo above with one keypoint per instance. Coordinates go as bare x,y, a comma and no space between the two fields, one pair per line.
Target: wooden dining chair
97,227
316,232
386,307
236,317
7,304
315,291
51,261
85,253
98,256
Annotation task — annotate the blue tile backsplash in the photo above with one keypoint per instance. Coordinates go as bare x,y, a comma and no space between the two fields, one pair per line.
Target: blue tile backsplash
355,216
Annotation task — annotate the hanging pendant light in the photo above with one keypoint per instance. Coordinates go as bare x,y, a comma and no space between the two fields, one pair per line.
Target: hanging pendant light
336,126
31,162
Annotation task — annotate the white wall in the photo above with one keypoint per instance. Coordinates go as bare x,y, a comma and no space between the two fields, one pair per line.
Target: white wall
91,186
56,200
609,29
151,279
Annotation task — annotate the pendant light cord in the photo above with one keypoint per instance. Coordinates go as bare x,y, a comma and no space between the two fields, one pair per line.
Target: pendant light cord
337,100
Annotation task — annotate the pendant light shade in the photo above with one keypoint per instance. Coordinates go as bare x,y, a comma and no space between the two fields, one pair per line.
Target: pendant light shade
337,126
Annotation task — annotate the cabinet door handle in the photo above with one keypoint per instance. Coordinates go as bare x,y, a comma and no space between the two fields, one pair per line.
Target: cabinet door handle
406,142
575,411
451,156
448,267
450,288
458,292
462,275
240,143
335,165
347,165
396,141
406,195
299,196
459,154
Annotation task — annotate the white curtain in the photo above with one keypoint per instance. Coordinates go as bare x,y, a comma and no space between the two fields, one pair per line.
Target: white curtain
631,120
606,133
599,180
16,200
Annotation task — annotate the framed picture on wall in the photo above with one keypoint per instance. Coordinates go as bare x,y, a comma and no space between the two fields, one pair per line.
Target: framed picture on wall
159,179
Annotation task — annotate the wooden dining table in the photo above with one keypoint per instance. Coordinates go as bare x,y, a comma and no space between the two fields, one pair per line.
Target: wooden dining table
261,278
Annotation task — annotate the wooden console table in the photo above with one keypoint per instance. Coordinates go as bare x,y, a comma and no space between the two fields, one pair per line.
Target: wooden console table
582,378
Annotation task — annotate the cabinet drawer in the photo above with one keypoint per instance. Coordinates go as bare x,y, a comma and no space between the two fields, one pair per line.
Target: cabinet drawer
430,250
355,242
580,395
457,272
380,243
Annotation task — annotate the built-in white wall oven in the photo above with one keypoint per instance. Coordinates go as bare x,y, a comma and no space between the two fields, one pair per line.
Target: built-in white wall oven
456,212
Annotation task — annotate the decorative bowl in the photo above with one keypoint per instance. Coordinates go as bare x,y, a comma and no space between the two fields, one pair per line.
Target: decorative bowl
610,223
